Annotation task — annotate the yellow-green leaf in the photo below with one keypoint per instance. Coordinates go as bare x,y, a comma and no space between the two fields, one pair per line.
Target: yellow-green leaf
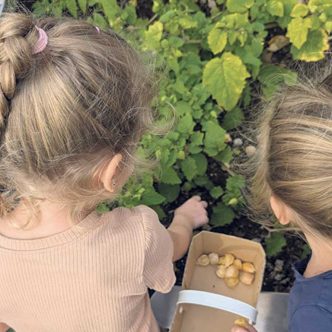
275,8
225,79
298,31
313,49
217,40
239,6
300,10
153,35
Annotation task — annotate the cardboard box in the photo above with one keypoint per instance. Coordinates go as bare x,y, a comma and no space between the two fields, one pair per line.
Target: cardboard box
197,318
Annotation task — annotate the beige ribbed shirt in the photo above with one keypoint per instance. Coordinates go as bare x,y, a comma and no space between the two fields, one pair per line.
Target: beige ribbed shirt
92,277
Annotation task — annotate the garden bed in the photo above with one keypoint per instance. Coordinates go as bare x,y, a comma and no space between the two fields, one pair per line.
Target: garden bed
191,42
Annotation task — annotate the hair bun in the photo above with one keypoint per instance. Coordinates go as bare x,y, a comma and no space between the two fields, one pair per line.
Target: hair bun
17,37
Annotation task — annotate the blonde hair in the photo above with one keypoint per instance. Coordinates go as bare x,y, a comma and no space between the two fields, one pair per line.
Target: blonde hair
66,111
294,155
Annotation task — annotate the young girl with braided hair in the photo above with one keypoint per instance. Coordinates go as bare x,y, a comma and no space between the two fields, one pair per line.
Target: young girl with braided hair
293,179
74,102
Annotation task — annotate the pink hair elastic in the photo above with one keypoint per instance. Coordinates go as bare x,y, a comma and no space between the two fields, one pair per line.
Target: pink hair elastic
42,41
98,30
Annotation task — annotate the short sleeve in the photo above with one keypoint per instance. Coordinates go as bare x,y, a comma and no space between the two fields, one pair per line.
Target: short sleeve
311,318
158,272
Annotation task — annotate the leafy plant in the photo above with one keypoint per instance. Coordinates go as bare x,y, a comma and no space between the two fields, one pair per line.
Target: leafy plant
210,59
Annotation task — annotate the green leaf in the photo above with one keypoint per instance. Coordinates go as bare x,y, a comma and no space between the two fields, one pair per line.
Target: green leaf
189,168
169,176
225,156
103,207
299,10
216,192
297,31
233,118
275,243
235,183
225,79
275,8
186,124
217,40
153,35
83,5
99,21
110,9
201,163
170,192
239,6
313,49
222,215
72,7
151,197
214,140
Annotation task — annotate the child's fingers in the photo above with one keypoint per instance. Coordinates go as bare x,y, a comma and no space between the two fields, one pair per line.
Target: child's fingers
205,204
197,198
242,329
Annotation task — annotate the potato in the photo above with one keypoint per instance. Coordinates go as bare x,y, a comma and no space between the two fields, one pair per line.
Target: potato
238,263
213,258
247,278
226,260
248,267
242,322
203,260
232,272
231,282
221,271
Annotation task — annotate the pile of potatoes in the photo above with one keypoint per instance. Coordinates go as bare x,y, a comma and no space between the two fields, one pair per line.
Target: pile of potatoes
229,268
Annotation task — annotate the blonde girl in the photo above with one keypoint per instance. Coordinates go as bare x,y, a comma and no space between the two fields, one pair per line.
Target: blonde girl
293,178
74,102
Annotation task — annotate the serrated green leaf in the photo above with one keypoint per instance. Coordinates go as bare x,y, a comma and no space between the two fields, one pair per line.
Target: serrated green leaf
83,5
297,31
169,176
222,215
72,7
217,40
239,6
201,163
233,118
151,197
186,124
214,140
299,10
216,192
189,168
275,243
111,9
225,79
235,183
170,192
275,8
225,156
103,207
161,213
313,49
99,21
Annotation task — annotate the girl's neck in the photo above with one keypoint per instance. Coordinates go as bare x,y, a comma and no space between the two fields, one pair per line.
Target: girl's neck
52,219
321,258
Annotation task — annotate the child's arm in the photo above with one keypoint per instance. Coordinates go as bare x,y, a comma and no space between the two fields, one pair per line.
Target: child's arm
190,215
3,327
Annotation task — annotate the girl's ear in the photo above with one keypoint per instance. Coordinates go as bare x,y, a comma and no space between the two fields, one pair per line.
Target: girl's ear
110,173
280,210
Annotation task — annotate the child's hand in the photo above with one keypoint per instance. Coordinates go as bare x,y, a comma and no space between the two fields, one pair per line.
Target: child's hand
194,210
3,327
243,329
